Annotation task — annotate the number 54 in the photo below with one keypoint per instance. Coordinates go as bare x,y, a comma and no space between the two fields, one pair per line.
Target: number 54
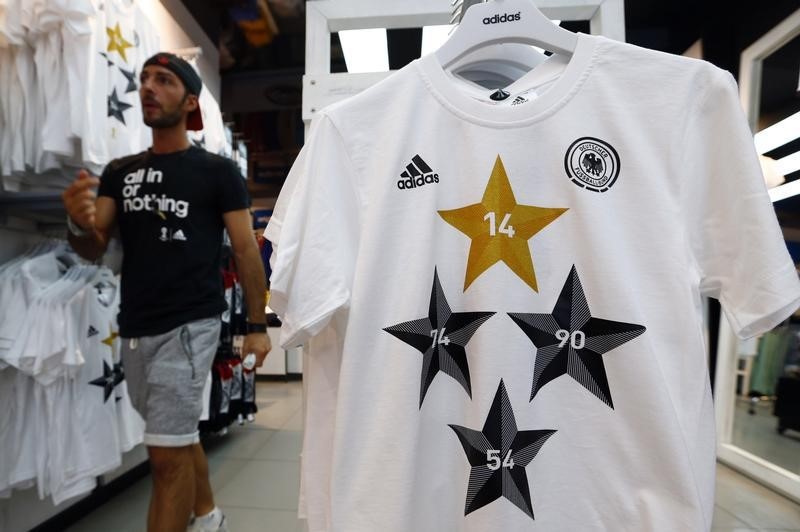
493,457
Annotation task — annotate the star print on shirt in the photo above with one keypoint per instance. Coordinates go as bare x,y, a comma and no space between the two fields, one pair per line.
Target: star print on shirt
109,61
441,338
119,376
130,75
116,108
117,43
569,341
201,142
109,341
499,455
500,229
108,381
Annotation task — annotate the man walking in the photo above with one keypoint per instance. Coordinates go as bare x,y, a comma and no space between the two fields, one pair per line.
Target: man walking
171,204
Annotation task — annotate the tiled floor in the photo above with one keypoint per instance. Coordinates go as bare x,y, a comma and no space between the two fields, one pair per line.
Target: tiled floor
255,475
757,433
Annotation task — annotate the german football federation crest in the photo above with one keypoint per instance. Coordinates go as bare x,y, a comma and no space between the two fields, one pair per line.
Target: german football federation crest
592,164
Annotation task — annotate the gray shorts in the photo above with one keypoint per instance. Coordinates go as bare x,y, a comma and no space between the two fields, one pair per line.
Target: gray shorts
166,375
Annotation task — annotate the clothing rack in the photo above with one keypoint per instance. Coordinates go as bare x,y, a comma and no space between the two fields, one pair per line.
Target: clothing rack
323,17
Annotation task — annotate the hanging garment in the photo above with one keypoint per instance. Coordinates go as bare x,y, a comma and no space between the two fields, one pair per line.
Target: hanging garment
516,290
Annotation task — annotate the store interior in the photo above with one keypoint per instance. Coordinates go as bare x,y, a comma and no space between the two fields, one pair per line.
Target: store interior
260,61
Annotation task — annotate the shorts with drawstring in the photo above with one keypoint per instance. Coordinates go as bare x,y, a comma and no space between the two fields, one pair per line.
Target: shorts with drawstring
166,375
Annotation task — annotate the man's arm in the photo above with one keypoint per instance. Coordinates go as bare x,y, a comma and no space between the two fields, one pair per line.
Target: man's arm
252,276
94,217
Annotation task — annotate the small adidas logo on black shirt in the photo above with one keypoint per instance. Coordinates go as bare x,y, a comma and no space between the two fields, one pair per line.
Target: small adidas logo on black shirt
417,174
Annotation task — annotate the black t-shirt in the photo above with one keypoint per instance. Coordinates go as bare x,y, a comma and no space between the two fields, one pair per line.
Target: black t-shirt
169,212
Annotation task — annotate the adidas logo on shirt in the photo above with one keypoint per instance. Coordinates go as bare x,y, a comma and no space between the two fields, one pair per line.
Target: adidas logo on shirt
178,235
93,331
519,100
417,174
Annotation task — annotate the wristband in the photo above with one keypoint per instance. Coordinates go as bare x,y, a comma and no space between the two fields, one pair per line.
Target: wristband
74,228
256,328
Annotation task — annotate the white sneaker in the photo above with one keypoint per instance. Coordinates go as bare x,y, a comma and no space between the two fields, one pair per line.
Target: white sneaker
213,522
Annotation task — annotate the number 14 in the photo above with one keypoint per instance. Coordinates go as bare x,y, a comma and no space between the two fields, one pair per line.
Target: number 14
504,228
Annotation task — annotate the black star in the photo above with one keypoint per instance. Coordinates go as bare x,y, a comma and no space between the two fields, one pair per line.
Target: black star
108,60
441,338
201,142
499,455
130,75
119,374
570,341
108,381
116,108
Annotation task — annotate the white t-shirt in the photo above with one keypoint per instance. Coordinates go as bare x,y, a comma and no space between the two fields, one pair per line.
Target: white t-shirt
132,40
518,289
22,438
87,407
321,360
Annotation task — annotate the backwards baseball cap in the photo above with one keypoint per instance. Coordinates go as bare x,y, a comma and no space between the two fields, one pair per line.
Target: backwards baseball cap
188,75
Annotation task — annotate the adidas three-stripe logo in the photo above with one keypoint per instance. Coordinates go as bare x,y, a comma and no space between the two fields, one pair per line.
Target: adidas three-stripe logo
93,331
417,174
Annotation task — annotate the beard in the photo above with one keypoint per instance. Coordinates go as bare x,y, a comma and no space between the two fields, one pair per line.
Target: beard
167,120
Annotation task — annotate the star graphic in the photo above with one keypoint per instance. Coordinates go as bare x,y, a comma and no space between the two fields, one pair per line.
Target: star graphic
109,341
500,229
116,43
569,341
108,60
108,381
130,75
499,455
119,373
441,338
201,142
117,108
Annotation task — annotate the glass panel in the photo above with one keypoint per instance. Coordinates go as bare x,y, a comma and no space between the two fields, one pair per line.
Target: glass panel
767,405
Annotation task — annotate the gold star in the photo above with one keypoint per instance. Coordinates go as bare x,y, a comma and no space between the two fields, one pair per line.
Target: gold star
500,229
112,336
116,42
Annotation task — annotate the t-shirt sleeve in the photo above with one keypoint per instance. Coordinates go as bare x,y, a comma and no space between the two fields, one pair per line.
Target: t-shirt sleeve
319,235
233,194
736,242
273,229
107,185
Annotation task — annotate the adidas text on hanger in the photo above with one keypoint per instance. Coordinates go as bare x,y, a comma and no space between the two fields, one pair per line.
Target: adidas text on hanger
501,19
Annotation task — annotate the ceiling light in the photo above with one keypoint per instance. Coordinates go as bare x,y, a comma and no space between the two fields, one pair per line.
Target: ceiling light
785,191
778,134
365,50
789,164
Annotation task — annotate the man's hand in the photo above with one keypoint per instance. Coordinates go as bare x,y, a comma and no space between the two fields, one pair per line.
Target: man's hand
259,344
79,200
